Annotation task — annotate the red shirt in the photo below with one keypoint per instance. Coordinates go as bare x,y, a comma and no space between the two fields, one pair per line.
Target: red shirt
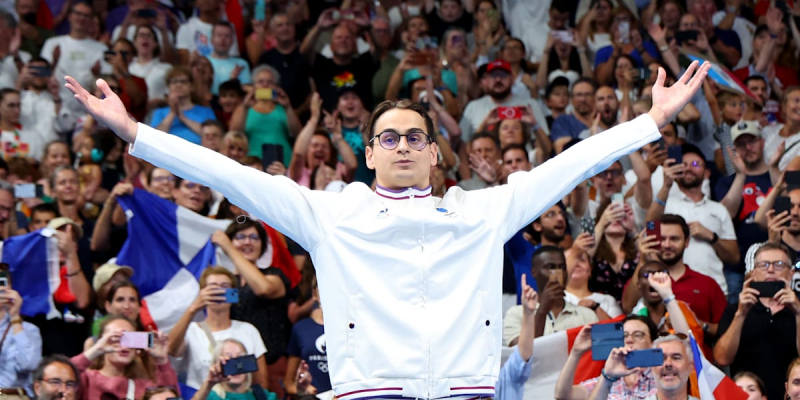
703,295
139,111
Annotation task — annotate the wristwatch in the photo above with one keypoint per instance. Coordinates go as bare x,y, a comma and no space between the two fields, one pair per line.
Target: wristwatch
714,239
595,306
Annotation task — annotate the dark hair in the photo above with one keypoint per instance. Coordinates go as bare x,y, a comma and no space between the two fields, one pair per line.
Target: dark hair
221,23
157,48
236,227
212,122
524,64
44,208
574,63
514,146
112,291
604,251
672,219
651,326
105,140
233,85
759,382
38,373
746,81
775,246
129,43
5,92
560,6
152,391
688,148
546,249
584,79
142,366
305,287
634,64
484,135
150,174
38,59
400,105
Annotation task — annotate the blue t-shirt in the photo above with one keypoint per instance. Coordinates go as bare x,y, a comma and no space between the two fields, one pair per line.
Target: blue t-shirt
223,69
520,252
308,343
197,114
755,190
567,126
605,53
355,139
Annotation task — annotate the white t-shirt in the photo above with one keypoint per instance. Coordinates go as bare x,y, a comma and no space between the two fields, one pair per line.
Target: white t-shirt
154,74
12,143
131,35
700,255
527,20
76,60
773,139
195,34
396,18
8,70
607,302
745,30
197,358
38,114
477,110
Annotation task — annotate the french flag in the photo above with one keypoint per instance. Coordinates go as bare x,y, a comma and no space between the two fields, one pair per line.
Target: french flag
34,268
723,77
713,383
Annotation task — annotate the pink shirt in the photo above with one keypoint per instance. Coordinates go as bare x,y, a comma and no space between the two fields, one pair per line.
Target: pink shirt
93,384
305,176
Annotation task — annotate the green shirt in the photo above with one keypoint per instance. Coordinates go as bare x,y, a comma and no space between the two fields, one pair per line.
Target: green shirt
241,396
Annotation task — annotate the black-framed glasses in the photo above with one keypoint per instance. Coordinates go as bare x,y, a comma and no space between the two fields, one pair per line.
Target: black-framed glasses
637,335
777,265
389,140
614,173
72,385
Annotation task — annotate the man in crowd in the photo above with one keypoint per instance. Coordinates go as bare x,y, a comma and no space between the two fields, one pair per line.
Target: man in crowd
56,378
568,127
759,333
40,101
225,66
285,57
484,154
515,158
195,34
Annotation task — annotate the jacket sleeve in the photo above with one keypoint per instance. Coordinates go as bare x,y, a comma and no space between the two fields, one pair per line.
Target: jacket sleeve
512,207
291,209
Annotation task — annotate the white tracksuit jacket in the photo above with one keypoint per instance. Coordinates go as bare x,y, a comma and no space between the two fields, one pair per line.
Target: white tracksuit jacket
410,284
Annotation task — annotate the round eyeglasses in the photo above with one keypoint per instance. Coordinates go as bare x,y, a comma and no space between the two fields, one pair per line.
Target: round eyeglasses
389,140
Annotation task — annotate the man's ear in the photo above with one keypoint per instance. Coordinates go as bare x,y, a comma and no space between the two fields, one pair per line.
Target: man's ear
434,154
37,386
368,153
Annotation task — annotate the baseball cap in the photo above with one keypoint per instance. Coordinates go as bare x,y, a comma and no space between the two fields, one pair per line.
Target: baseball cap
106,271
499,65
745,128
60,222
556,82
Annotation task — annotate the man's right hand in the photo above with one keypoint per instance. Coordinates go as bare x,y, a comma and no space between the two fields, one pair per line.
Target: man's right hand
672,172
615,364
747,298
109,111
208,295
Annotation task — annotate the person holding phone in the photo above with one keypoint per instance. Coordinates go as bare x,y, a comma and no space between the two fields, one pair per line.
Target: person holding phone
40,101
193,343
108,367
218,385
416,238
615,256
760,333
625,39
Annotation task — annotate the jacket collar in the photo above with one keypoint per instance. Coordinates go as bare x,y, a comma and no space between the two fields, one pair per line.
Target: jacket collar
402,194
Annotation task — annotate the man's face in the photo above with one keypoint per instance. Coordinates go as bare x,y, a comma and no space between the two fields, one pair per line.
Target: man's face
516,160
66,186
637,335
350,106
10,108
758,88
450,10
610,181
40,220
500,84
552,224
669,135
229,100
382,31
750,148
770,274
674,373
222,39
673,243
342,42
694,173
401,167
583,98
80,18
162,183
558,20
703,9
6,205
558,98
487,149
58,382
319,151
605,102
191,195
794,224
551,265
211,137
416,25
26,7
283,29
759,41
689,22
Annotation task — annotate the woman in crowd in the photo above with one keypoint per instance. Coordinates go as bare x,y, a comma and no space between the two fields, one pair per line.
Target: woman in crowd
194,341
595,26
303,347
161,393
262,291
560,58
56,154
615,255
203,72
122,298
751,384
15,139
235,146
455,58
148,65
579,272
793,380
628,42
266,116
182,117
217,386
517,131
107,367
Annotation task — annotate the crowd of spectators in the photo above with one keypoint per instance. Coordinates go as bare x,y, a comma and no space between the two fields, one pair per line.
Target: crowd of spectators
669,239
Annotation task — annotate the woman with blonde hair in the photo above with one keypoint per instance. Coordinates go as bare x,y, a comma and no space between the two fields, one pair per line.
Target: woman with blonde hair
217,386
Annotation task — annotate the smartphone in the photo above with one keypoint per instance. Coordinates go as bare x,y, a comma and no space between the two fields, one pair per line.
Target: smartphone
3,278
494,19
625,31
40,71
587,226
265,94
231,295
767,289
240,365
509,112
260,11
618,198
661,144
336,16
108,54
564,36
28,191
644,74
685,36
146,13
348,15
644,358
606,337
137,340
653,228
675,153
270,153
783,203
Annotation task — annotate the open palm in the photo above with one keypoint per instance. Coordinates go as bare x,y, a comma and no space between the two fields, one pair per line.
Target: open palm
109,111
669,101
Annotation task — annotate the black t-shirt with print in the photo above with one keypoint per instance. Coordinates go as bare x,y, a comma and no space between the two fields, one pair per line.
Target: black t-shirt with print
331,78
